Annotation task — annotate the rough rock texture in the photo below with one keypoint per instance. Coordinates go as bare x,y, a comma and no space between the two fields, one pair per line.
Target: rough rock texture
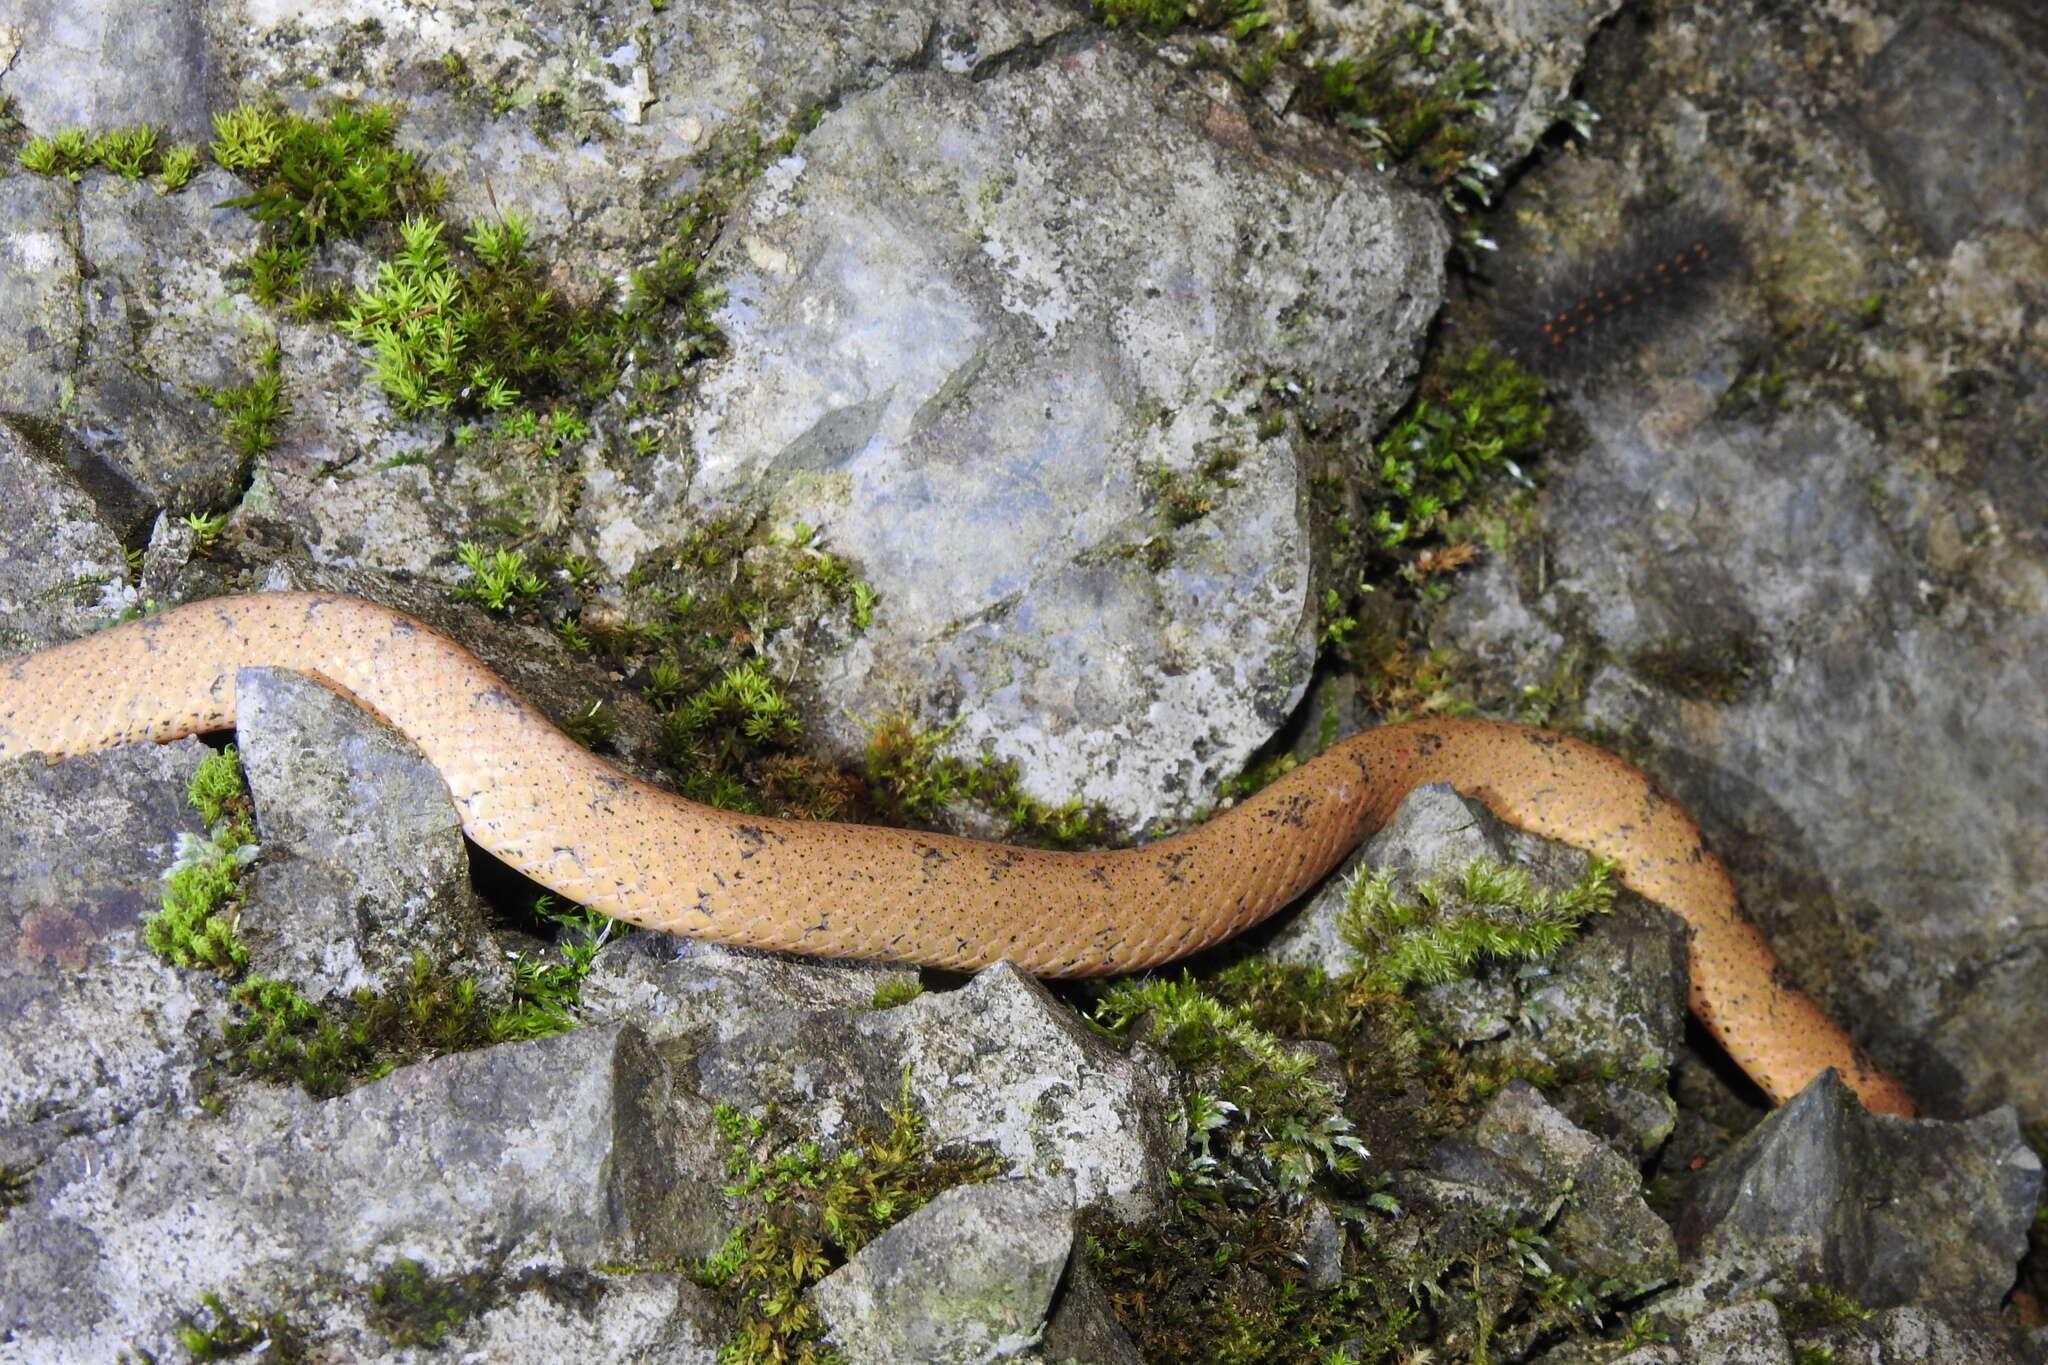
1800,570
1608,1015
967,1278
970,396
93,1027
997,1063
573,1150
1524,1155
79,579
370,857
707,992
1822,1189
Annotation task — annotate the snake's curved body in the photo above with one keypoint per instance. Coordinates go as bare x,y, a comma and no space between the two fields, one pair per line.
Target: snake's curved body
535,798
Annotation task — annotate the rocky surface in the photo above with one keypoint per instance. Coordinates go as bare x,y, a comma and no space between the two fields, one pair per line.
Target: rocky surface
371,891
1798,570
1053,333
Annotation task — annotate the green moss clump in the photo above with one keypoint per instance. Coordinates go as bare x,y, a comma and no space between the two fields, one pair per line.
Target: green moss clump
547,990
409,1307
1218,1278
130,153
499,579
216,1332
201,899
1252,1091
890,994
254,409
1473,415
314,179
912,783
331,1048
1442,927
803,1213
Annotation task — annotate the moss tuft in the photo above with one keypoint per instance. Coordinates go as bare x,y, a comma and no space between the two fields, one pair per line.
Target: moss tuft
1442,927
216,1332
913,783
803,1213
201,899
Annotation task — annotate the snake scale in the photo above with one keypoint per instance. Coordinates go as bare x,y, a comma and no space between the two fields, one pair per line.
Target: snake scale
533,797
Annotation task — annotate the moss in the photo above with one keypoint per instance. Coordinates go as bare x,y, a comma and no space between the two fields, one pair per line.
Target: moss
331,1048
1813,1307
1475,412
13,1189
913,783
1218,1279
130,153
315,179
410,1307
1252,1091
499,579
890,994
1441,927
803,1213
253,409
216,1332
201,898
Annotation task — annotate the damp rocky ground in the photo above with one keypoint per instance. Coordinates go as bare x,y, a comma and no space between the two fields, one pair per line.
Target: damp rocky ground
1044,421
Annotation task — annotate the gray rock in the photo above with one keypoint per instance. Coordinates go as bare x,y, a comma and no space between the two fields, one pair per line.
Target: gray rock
1745,1334
1608,1014
997,1062
1890,1211
101,63
1083,1328
706,992
79,580
571,1151
366,867
1949,117
1916,1336
1525,1156
970,397
967,1278
1817,616
93,1027
42,315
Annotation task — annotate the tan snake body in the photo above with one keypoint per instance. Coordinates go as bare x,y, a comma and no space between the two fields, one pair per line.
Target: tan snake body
535,798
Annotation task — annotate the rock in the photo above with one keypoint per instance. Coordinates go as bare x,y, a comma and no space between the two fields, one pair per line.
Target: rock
997,1063
708,993
568,1153
100,63
96,1028
1083,1328
987,410
1775,599
366,869
1745,1334
79,579
967,1278
1890,1211
1914,1336
1607,1016
1526,1158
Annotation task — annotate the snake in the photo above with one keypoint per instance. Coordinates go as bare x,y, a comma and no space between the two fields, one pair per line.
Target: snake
565,817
